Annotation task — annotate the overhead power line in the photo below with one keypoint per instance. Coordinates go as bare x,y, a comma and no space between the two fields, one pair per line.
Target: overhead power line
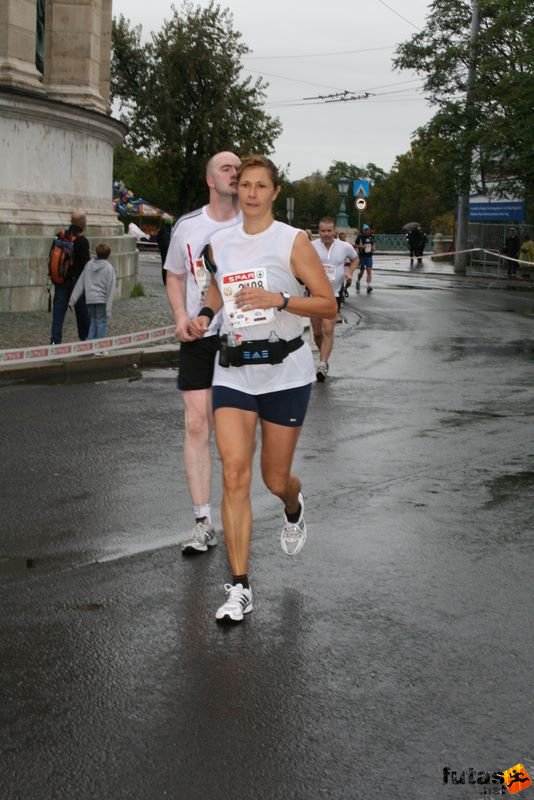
320,85
321,55
345,95
340,97
393,11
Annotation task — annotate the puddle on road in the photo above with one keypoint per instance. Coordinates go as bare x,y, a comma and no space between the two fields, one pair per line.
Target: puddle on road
510,485
90,606
458,349
458,417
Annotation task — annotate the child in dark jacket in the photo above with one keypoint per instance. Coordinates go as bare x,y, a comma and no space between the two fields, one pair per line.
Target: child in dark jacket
98,282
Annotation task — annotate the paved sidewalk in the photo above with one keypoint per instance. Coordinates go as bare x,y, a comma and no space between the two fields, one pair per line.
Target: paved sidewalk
31,328
130,315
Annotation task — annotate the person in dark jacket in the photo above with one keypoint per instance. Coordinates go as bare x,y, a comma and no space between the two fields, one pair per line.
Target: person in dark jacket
81,254
511,248
163,238
417,240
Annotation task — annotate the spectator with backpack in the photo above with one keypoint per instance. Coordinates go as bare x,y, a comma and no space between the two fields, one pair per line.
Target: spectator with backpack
97,282
71,259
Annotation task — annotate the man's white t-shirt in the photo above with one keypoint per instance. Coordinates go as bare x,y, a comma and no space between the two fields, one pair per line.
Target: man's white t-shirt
190,235
333,260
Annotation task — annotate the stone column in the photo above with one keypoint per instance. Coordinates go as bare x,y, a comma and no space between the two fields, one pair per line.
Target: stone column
105,51
18,28
74,51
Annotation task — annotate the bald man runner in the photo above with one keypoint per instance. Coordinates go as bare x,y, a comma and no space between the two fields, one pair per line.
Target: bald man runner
187,282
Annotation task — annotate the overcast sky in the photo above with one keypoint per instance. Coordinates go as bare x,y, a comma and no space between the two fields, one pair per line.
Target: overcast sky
319,48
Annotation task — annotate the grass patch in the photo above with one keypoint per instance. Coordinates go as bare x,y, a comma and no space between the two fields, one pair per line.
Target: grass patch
138,290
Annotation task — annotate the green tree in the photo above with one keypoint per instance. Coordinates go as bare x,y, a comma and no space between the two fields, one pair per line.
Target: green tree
420,187
127,62
138,173
341,169
496,127
315,197
183,98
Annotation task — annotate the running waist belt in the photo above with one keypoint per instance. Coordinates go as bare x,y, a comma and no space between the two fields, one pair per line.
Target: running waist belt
256,351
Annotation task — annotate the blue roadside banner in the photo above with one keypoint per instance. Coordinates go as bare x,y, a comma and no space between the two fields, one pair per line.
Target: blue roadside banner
497,211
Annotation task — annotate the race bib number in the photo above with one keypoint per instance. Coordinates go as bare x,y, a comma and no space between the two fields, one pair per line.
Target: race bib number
232,283
368,248
330,270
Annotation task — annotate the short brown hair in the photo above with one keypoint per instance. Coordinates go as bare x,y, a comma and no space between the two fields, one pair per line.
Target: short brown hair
328,221
103,250
260,161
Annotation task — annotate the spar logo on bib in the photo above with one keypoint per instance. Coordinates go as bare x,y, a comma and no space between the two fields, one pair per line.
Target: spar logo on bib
232,283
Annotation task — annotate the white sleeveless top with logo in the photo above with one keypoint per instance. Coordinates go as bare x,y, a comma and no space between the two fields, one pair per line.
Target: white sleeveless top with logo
263,258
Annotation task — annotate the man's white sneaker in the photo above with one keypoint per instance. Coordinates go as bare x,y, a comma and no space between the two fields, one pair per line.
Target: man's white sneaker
322,372
202,537
293,534
238,603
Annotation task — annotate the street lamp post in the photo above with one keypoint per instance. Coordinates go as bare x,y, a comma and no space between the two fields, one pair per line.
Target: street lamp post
290,209
462,214
342,220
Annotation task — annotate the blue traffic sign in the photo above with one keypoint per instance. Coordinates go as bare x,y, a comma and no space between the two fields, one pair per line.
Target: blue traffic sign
360,188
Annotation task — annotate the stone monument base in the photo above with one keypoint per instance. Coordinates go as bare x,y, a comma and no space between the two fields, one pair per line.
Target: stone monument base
56,158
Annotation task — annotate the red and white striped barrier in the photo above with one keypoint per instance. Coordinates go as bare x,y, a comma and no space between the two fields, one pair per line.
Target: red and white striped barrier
24,355
449,253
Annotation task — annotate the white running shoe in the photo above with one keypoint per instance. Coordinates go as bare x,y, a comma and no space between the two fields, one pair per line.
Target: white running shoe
238,603
293,534
322,372
202,537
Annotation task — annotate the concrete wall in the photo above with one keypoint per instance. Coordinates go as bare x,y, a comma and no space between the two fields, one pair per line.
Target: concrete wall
24,259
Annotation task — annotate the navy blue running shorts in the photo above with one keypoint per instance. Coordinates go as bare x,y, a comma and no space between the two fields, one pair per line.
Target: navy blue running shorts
287,407
197,360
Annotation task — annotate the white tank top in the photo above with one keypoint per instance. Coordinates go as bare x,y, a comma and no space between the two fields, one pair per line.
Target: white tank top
269,254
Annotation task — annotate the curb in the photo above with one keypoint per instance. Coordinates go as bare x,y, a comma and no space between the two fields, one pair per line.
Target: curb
123,364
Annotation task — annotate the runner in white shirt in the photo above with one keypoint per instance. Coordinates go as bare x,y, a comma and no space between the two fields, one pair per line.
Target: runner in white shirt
334,254
187,282
264,370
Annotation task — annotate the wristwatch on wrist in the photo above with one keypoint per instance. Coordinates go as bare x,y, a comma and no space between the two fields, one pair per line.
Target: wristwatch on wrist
285,301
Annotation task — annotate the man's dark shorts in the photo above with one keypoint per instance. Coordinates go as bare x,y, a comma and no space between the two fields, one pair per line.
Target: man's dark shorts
197,360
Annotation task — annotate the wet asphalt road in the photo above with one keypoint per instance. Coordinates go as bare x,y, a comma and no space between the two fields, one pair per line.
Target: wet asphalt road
398,643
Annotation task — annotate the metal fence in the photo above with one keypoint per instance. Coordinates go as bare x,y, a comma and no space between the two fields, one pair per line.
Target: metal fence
397,243
489,237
